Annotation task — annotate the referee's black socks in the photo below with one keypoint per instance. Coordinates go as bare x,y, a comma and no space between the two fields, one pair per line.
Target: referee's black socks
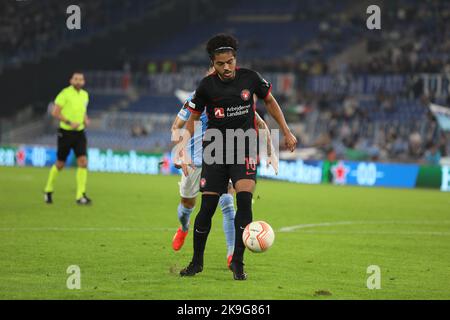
243,217
202,225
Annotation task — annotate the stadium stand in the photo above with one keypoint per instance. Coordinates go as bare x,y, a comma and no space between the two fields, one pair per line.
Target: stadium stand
27,28
334,114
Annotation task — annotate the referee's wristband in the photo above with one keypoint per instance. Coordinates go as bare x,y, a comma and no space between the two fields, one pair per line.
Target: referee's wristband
68,122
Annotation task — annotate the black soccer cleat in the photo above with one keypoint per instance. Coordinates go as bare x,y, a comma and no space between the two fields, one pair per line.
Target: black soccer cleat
84,200
48,197
191,270
238,270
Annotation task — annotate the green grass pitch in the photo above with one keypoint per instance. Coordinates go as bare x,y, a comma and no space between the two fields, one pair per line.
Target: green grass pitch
122,243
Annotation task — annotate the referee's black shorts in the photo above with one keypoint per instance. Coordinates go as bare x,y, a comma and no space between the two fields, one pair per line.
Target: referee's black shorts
68,140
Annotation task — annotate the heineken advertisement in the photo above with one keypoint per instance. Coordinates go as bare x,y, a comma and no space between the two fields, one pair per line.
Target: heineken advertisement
125,162
368,174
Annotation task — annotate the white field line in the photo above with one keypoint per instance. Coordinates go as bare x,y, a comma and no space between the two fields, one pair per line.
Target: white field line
283,229
339,223
376,233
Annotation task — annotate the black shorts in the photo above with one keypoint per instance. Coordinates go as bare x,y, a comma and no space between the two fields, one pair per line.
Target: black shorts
68,140
215,177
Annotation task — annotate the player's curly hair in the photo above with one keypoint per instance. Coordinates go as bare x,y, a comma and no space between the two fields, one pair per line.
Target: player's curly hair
221,43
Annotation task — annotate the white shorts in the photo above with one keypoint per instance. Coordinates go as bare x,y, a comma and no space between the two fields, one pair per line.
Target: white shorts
190,185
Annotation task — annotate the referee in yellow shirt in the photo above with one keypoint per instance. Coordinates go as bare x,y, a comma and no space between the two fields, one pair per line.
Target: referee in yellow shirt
70,109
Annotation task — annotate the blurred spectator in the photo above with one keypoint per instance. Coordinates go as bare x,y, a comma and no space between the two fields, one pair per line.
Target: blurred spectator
432,155
350,107
152,68
168,66
415,145
138,131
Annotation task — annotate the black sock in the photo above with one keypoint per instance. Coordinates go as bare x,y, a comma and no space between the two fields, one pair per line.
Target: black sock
243,218
202,226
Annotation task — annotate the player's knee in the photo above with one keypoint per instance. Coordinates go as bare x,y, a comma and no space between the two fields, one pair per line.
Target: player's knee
207,209
82,162
188,202
245,185
59,164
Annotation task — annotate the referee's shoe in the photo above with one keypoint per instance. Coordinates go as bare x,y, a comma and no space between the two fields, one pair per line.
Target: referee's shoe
84,200
48,197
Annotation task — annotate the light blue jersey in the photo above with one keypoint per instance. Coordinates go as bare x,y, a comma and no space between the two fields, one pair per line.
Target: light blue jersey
195,144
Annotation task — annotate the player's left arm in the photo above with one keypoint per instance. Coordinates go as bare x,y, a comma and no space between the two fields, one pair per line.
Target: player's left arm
271,155
274,110
86,119
263,126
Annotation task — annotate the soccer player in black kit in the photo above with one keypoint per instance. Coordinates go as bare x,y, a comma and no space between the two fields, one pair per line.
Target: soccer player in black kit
227,95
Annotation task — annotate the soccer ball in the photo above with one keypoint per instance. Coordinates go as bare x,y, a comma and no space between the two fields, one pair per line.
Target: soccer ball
258,236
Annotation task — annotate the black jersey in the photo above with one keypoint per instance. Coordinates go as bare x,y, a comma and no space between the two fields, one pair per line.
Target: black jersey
230,105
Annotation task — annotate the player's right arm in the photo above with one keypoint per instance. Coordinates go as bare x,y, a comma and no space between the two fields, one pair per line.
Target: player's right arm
59,104
180,121
56,113
181,118
178,124
181,137
188,133
195,107
190,124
